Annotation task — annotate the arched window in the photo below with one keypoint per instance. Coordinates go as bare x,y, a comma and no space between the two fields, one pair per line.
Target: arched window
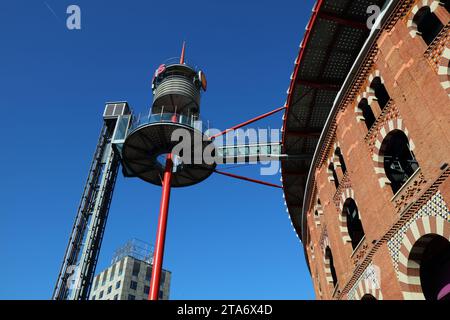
399,161
338,154
434,264
354,225
380,92
334,174
317,212
329,257
368,297
369,117
428,24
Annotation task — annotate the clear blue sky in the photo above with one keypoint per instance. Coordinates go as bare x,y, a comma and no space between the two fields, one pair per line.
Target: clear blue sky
226,238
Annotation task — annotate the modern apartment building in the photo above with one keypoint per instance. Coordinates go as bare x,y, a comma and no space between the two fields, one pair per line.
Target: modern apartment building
128,277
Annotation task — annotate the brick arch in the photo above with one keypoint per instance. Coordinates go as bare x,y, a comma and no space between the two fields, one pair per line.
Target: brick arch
311,249
317,208
391,125
368,95
346,194
329,172
364,289
412,27
327,269
333,157
417,236
326,261
372,76
333,160
444,70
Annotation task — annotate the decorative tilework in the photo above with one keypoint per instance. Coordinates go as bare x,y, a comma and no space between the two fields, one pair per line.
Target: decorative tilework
368,283
435,207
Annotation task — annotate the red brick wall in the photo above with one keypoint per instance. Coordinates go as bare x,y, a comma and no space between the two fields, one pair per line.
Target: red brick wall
424,106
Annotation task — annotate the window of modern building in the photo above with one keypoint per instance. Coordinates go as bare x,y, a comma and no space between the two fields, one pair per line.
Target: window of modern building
399,161
148,273
116,297
93,297
97,279
428,24
100,295
136,268
109,289
334,174
329,257
105,276
133,285
161,294
380,92
354,225
163,276
118,284
338,153
121,267
113,271
131,297
146,289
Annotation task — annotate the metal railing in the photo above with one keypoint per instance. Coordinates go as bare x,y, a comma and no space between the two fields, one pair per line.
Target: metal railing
192,121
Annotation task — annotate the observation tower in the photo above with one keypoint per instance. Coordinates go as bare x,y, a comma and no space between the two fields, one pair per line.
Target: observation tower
168,147
147,151
174,115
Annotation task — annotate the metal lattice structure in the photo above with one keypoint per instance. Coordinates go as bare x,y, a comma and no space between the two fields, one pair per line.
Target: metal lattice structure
80,259
134,248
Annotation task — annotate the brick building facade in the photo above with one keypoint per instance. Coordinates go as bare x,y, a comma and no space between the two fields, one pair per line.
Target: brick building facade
375,215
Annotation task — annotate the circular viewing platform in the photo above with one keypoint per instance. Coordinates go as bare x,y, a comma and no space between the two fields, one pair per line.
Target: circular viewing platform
151,139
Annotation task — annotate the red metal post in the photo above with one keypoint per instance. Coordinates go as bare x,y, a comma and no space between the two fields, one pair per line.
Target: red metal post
161,232
248,179
243,124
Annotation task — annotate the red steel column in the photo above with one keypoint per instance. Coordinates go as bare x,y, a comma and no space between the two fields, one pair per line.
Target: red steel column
161,232
162,220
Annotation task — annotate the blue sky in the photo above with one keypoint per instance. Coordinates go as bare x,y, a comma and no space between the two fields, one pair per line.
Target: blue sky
226,239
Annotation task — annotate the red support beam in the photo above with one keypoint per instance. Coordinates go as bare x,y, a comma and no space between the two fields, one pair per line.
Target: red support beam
161,232
249,179
265,115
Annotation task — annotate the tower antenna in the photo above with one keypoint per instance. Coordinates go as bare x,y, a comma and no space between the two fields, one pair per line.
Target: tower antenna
183,52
